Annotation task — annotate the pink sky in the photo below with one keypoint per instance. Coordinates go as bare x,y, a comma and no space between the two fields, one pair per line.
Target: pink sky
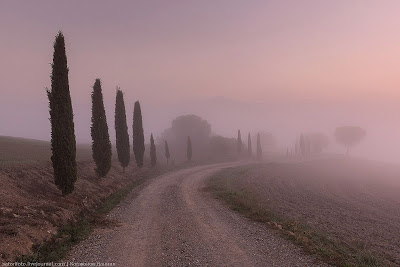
311,64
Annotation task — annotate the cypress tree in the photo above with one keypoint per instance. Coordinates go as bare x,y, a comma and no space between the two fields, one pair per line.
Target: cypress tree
249,148
138,136
189,149
101,145
167,155
308,144
153,153
121,131
259,149
63,144
302,145
239,143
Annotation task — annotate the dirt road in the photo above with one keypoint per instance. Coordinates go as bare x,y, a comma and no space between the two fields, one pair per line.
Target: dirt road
172,222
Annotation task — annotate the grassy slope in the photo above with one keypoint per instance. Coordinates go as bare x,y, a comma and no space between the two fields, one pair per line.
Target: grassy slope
16,150
224,186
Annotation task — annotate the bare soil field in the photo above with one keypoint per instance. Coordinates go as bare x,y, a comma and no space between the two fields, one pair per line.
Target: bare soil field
355,202
32,208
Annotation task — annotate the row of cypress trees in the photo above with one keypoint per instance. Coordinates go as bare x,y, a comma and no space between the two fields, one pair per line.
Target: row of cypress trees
63,141
101,145
249,146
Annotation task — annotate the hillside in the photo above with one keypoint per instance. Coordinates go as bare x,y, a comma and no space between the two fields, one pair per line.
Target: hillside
32,208
17,150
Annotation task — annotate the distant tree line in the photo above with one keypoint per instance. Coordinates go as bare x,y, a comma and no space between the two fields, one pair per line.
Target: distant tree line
315,143
307,144
239,144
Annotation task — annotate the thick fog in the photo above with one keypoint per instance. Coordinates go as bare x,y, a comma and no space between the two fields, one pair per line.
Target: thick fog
254,66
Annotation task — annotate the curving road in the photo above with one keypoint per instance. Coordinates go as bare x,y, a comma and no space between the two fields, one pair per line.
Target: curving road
172,222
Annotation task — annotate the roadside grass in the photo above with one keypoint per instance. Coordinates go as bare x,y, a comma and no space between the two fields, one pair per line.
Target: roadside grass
73,232
223,185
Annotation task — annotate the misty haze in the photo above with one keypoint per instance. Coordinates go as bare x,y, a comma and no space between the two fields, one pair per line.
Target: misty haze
204,133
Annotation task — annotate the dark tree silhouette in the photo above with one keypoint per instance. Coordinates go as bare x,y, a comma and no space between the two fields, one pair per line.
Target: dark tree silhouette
167,155
318,141
302,145
189,149
249,148
63,144
101,145
259,149
153,153
349,136
138,136
308,144
222,148
239,143
121,131
194,126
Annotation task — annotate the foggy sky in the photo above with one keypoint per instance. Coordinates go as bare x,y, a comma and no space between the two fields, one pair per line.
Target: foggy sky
280,66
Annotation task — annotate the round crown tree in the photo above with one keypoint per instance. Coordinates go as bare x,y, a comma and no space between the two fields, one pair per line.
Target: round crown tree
349,136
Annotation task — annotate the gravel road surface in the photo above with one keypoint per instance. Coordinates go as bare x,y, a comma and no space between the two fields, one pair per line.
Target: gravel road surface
172,222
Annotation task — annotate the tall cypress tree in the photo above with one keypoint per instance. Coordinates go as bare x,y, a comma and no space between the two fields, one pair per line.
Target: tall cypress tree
101,145
189,149
138,136
239,143
167,155
259,149
302,145
249,148
308,144
153,153
63,144
121,131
